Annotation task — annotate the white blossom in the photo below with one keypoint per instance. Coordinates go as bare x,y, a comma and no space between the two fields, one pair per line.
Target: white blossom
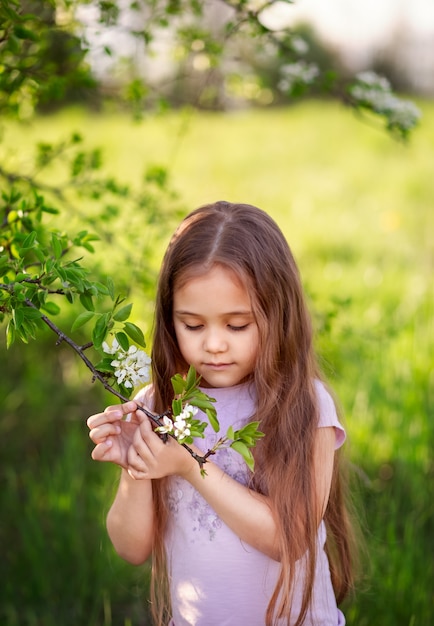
166,427
299,72
404,114
182,423
115,347
132,365
374,80
299,45
181,428
375,92
188,412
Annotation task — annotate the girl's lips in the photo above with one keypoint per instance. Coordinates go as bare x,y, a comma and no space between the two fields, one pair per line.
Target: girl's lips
217,366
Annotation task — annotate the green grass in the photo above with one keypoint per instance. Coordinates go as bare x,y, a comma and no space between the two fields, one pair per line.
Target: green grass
356,208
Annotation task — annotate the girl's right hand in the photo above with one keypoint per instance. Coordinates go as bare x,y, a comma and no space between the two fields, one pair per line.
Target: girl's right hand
111,434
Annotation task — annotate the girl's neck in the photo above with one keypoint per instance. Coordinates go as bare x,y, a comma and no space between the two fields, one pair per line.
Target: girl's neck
241,385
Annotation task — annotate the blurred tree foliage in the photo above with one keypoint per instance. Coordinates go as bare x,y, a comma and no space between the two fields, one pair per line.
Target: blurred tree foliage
173,52
42,63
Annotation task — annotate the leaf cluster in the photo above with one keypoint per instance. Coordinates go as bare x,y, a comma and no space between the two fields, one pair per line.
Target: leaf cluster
187,391
244,439
42,61
35,266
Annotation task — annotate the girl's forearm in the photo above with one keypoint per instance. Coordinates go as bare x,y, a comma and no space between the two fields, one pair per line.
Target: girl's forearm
130,519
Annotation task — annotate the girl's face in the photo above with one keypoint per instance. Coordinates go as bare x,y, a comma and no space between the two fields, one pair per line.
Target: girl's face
215,327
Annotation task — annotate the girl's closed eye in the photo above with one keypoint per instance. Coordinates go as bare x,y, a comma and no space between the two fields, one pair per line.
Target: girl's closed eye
193,327
238,328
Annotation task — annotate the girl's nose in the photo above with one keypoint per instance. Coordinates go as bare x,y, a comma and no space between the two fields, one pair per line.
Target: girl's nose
214,342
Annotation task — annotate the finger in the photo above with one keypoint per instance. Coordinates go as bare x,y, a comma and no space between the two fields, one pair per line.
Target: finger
112,413
146,427
146,443
101,450
136,475
136,462
152,439
100,433
94,420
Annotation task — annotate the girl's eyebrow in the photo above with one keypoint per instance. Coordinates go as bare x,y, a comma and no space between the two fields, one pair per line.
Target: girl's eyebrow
226,313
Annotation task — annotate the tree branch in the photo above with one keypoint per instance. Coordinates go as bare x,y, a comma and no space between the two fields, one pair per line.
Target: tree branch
96,375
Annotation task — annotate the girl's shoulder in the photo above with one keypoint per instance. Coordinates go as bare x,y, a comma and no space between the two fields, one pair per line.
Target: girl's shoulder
145,397
327,412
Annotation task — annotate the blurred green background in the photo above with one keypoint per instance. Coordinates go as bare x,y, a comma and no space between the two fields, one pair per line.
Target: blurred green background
357,210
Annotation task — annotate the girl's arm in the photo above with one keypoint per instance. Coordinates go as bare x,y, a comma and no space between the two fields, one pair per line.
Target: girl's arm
130,519
245,511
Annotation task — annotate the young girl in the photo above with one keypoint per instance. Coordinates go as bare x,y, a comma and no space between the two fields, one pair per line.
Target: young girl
234,548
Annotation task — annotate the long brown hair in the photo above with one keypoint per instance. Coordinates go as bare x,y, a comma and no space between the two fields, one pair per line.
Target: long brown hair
246,240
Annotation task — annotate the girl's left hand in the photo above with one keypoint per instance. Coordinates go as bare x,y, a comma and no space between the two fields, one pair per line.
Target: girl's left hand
150,457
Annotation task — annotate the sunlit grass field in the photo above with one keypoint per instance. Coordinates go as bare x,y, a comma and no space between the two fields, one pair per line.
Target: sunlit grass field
357,209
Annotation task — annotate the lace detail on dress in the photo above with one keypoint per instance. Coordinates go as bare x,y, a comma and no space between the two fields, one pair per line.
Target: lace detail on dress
203,517
184,500
175,496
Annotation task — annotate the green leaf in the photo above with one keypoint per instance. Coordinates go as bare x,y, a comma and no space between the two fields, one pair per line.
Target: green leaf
87,302
10,334
178,384
51,307
123,313
125,391
24,33
18,288
31,314
18,317
50,210
197,428
56,245
29,327
200,399
100,330
4,261
22,334
105,365
242,449
190,381
82,319
135,333
101,289
123,340
212,417
39,254
29,240
176,406
251,429
110,287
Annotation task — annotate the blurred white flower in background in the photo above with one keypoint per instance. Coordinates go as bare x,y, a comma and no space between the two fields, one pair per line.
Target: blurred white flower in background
375,92
299,72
